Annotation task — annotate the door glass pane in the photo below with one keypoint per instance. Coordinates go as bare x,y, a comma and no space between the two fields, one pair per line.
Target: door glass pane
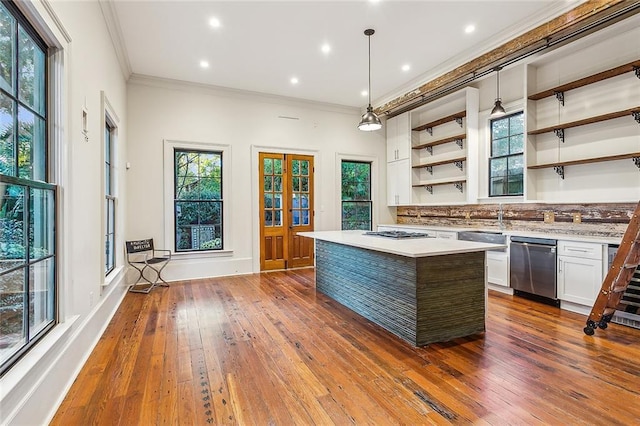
277,184
277,198
268,183
295,167
268,201
31,72
296,217
7,134
305,217
277,167
12,287
305,184
268,166
12,229
305,168
268,218
296,184
7,41
277,218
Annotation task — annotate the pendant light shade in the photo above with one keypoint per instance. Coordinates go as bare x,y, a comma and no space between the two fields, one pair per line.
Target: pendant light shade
370,120
498,109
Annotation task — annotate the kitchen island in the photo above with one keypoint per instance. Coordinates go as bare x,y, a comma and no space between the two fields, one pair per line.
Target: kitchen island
423,290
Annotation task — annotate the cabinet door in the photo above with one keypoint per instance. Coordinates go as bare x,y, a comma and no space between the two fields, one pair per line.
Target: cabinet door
579,280
392,139
403,136
398,183
498,268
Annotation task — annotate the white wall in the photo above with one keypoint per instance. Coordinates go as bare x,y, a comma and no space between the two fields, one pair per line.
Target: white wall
161,110
85,69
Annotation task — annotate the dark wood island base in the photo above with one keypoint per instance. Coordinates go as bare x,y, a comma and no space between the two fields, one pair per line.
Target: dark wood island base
419,299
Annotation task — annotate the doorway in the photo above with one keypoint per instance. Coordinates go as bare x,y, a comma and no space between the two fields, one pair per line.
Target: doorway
286,208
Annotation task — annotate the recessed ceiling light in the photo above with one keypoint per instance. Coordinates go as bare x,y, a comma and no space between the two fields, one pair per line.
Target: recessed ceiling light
214,22
364,93
294,80
326,48
469,28
406,67
204,64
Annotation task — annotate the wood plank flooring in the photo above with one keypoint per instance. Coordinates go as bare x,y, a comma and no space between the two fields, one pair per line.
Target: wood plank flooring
267,349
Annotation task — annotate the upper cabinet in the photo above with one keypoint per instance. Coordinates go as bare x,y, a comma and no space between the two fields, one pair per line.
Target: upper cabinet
398,137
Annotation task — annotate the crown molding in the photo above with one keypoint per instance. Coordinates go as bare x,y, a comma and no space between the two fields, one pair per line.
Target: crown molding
211,90
115,32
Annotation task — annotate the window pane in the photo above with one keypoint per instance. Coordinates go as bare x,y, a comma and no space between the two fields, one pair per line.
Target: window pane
210,188
31,146
499,128
516,144
31,72
41,281
515,165
41,210
12,327
7,43
506,165
7,135
12,229
516,124
498,167
500,147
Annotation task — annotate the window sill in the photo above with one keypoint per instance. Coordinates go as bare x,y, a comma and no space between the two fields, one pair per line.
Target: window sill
201,254
501,199
113,276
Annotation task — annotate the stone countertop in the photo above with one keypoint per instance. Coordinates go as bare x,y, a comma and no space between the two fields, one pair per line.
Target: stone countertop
410,247
514,232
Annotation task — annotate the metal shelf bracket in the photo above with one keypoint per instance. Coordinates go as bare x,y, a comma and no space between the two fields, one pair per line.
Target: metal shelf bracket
429,189
459,121
560,97
458,164
560,134
636,116
636,70
430,150
636,161
459,143
429,169
429,130
458,186
559,170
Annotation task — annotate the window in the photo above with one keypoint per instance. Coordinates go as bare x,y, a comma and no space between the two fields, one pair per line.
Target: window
198,200
27,200
506,164
110,199
356,195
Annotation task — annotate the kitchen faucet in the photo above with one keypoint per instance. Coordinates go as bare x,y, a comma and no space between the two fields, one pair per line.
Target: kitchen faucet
500,222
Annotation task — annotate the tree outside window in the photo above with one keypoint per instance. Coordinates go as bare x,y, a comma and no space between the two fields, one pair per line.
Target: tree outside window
356,195
198,200
506,164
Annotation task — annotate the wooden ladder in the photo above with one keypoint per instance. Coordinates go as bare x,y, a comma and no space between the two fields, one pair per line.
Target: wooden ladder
617,280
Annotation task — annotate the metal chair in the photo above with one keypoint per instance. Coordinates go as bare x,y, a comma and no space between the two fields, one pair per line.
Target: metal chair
141,254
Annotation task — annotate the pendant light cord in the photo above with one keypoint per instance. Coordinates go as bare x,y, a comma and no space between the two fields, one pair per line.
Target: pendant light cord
369,38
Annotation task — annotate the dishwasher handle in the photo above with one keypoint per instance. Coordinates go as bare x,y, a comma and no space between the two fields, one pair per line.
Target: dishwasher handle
534,241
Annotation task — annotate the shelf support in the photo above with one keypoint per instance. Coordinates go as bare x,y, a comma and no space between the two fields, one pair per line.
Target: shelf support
560,134
429,169
429,189
429,130
459,121
459,143
636,116
636,161
458,186
458,164
430,150
559,170
560,97
636,70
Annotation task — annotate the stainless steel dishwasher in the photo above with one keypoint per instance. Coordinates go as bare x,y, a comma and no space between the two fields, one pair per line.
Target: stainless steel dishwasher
533,268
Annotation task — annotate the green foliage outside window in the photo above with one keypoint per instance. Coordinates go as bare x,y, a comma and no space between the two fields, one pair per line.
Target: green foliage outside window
356,195
198,200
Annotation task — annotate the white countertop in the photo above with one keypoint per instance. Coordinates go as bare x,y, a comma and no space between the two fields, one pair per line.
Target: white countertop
410,247
510,232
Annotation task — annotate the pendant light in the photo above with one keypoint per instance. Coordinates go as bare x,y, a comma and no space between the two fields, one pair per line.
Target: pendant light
370,120
498,109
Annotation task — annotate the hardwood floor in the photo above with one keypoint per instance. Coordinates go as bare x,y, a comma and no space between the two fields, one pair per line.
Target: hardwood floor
267,349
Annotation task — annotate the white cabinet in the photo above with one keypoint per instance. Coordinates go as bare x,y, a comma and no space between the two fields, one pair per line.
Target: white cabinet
447,235
398,183
580,271
498,268
398,137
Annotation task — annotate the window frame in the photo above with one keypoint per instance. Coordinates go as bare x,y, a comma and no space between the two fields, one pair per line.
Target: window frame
373,165
109,195
506,156
31,263
368,202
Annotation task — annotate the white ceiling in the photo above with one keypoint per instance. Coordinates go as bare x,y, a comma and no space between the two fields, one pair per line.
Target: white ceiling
261,45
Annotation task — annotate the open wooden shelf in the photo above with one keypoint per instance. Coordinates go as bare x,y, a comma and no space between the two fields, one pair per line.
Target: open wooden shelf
590,120
622,69
441,141
453,117
429,186
439,163
586,161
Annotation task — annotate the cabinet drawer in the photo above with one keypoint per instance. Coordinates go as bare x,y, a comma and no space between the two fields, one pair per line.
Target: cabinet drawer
447,235
580,249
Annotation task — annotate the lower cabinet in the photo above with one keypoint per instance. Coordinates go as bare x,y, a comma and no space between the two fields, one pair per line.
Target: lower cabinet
579,274
498,268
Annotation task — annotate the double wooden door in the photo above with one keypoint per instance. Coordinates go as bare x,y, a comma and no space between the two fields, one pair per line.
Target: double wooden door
286,208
